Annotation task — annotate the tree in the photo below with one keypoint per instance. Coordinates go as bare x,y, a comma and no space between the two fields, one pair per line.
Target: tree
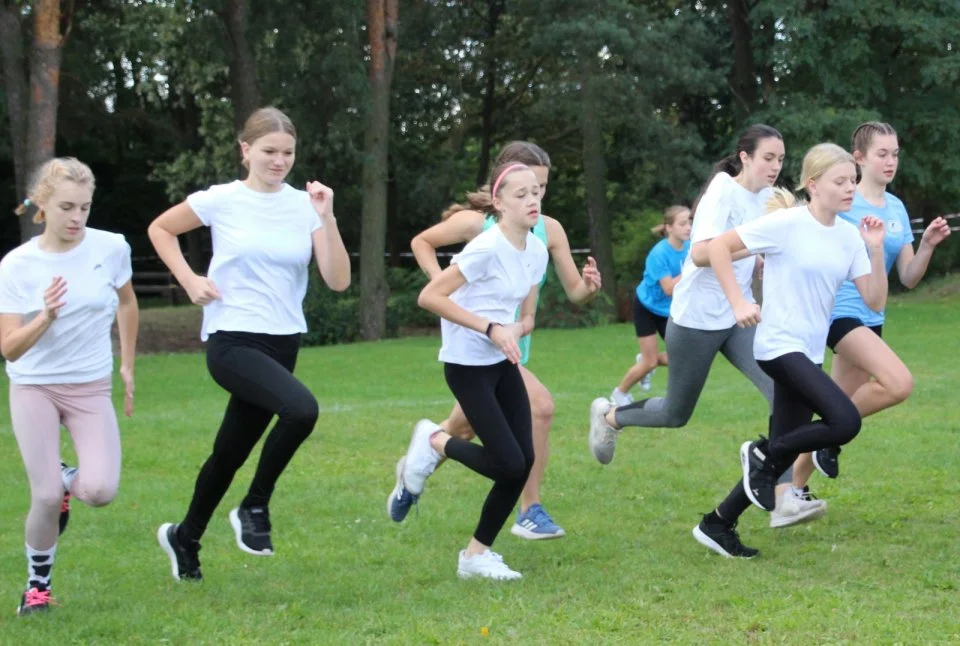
33,116
382,34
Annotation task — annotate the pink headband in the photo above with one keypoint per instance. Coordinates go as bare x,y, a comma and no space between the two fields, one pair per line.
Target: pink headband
506,170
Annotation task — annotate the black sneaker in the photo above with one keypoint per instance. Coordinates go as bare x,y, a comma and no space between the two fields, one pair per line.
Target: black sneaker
64,512
65,504
760,474
184,558
723,539
252,528
827,461
35,598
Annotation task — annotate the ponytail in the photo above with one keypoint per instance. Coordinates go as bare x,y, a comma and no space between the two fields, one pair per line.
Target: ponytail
480,201
781,199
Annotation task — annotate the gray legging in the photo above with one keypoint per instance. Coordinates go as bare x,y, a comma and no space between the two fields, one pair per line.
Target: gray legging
691,353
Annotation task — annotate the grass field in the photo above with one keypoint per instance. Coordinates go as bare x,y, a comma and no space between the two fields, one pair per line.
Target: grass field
881,567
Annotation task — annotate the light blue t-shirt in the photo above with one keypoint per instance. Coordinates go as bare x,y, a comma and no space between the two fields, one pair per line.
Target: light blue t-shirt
849,303
539,230
663,261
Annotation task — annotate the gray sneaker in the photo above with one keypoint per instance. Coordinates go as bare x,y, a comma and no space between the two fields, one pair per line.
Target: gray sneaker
793,509
603,437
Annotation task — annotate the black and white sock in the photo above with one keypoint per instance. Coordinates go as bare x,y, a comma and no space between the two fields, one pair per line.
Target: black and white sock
39,567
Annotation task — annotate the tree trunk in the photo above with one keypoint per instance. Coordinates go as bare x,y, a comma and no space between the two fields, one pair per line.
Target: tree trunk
491,75
244,91
382,31
595,175
743,75
15,88
44,93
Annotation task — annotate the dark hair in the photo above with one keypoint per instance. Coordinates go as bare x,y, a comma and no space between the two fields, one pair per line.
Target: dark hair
748,143
515,152
865,132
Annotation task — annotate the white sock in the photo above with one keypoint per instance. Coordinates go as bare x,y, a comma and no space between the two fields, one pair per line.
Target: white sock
67,476
40,567
797,492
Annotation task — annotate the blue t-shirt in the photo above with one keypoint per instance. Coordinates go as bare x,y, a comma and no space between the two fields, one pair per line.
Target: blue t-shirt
896,222
539,230
663,261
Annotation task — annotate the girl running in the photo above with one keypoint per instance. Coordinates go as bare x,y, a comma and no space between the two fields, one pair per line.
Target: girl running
809,253
864,366
702,322
462,224
265,233
477,297
651,302
59,294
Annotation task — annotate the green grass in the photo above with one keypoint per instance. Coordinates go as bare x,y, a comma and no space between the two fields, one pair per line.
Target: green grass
881,567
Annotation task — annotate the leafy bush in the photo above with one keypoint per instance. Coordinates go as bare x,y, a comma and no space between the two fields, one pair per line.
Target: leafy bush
556,311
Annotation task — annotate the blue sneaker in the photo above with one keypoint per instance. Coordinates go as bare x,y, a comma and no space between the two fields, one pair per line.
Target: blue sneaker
400,500
536,525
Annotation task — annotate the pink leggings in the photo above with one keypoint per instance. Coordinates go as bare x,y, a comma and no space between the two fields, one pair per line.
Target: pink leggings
87,411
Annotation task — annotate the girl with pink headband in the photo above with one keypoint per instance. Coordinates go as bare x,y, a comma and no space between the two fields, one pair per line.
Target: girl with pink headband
462,223
477,297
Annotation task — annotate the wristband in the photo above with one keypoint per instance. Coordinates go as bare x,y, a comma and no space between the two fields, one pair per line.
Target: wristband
490,328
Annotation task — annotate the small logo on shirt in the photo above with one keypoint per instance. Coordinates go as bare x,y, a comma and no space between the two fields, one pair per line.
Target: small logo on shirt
894,226
97,266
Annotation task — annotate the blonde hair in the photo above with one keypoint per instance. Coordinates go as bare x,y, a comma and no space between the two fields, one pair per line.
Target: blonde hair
816,162
48,177
669,217
263,122
522,152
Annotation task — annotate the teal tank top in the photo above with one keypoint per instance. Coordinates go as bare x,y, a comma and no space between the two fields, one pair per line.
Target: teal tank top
539,230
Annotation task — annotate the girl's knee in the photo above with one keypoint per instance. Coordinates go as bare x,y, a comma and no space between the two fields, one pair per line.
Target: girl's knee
901,386
97,494
302,413
846,424
46,501
542,408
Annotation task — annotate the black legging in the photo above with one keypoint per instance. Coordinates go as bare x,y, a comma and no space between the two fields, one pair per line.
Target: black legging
257,371
494,400
800,389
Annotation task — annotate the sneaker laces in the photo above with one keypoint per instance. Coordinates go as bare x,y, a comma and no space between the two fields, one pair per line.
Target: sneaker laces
260,521
541,517
37,597
806,494
65,504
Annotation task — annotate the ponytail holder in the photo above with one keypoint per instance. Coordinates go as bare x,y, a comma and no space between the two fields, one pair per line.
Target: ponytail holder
503,174
27,202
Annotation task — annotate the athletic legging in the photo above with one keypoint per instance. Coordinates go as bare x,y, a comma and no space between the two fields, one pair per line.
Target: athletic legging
494,400
691,353
257,371
801,388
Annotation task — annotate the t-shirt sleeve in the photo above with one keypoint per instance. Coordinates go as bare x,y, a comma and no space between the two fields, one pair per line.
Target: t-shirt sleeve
542,261
474,261
861,262
206,204
713,210
12,300
122,266
908,236
766,234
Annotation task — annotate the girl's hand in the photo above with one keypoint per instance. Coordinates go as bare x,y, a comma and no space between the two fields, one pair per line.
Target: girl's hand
506,340
936,232
201,290
872,231
591,275
52,303
321,198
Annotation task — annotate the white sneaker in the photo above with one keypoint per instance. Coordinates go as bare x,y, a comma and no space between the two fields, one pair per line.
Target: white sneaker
645,382
488,564
620,399
421,459
793,509
603,437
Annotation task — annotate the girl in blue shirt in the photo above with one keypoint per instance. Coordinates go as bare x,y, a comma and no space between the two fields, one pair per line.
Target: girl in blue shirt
864,366
651,302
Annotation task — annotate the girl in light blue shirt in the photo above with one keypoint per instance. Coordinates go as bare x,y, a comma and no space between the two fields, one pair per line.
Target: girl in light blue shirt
651,302
864,366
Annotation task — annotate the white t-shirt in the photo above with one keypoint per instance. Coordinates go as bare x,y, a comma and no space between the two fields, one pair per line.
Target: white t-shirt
698,299
262,246
76,348
805,263
499,277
